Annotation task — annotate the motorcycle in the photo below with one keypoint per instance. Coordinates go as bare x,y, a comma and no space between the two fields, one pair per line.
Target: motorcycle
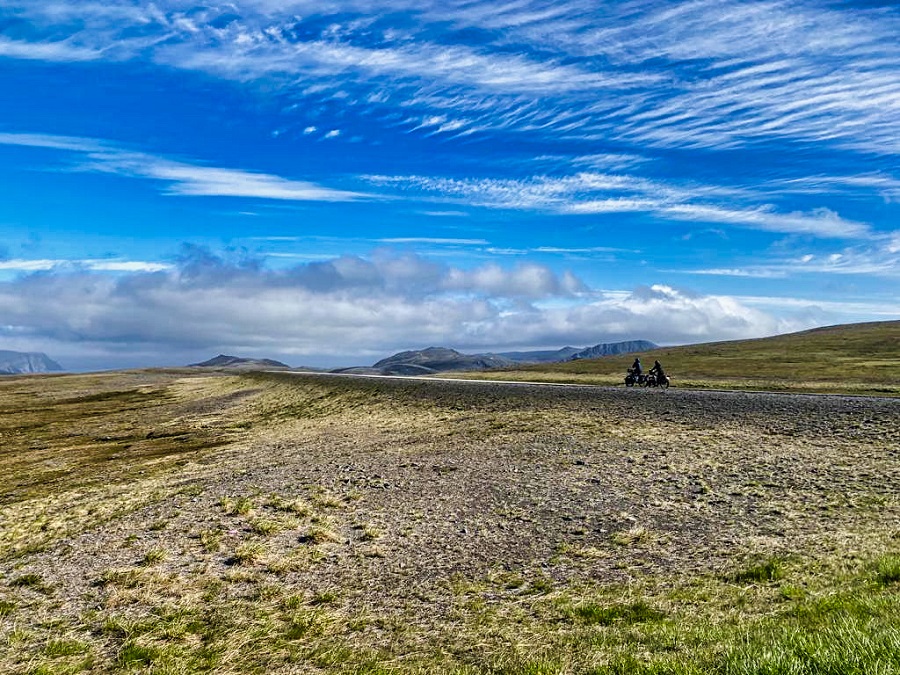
646,380
654,380
633,378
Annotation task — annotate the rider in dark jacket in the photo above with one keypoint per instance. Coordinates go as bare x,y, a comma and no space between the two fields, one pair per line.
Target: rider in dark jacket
657,370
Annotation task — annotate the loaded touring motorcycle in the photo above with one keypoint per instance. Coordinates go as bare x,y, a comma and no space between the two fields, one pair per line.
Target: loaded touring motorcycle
646,379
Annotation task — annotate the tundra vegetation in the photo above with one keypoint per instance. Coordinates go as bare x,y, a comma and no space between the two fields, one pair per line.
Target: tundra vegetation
189,521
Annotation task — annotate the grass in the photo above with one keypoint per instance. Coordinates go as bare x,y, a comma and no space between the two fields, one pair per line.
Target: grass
248,553
846,625
154,556
608,615
764,571
79,450
887,570
211,539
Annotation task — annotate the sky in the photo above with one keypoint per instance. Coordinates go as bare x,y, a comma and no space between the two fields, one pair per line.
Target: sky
327,183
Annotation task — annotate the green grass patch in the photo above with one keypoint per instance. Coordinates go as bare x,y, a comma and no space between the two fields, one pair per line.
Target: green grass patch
887,569
758,572
625,613
62,647
33,581
154,556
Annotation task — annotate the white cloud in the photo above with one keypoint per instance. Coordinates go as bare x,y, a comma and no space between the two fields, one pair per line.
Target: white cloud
73,143
192,180
589,249
821,222
46,264
353,306
61,51
746,272
28,265
884,185
617,205
525,281
125,266
182,178
622,193
878,259
434,240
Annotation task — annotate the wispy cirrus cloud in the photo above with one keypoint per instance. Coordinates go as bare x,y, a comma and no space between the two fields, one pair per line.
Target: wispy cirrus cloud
595,193
860,185
51,142
821,222
181,178
697,74
200,181
109,265
878,260
743,272
434,240
61,51
581,193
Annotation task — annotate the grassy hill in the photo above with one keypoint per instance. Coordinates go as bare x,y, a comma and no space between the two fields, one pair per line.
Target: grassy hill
856,358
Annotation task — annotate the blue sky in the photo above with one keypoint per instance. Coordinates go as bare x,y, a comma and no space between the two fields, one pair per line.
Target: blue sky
330,182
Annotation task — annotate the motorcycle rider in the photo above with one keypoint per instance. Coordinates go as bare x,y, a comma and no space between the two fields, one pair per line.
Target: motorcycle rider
636,368
658,371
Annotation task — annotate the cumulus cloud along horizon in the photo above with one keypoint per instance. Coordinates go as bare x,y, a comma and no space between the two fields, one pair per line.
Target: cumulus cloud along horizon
348,308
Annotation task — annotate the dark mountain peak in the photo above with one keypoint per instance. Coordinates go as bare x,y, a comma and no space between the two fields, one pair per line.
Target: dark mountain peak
420,356
227,361
437,359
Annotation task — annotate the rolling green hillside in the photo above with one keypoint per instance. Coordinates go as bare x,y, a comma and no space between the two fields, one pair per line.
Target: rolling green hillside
855,358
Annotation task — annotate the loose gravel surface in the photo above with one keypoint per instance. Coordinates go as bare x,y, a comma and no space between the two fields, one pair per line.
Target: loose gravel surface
383,494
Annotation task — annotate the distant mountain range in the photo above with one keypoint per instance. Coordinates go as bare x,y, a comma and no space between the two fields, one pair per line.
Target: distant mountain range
15,363
225,361
440,359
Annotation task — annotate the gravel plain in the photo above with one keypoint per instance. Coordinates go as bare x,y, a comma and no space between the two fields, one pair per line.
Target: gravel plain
384,496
